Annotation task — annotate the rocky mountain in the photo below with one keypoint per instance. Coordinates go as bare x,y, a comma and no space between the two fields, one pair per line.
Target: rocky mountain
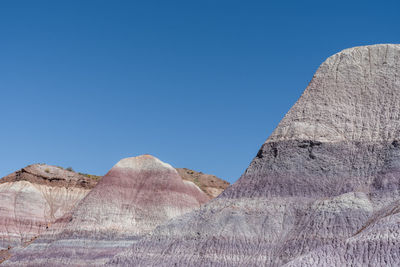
33,199
323,190
134,197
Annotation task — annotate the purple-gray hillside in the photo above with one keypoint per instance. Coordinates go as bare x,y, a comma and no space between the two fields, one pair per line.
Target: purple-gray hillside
322,190
136,195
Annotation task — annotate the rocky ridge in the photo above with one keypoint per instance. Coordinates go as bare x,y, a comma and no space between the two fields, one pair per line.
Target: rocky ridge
209,184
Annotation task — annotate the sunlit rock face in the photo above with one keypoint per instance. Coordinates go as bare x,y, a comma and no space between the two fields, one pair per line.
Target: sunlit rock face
322,191
134,197
209,184
34,198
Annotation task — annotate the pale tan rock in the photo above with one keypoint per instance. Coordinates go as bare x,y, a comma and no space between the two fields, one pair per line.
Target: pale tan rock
34,198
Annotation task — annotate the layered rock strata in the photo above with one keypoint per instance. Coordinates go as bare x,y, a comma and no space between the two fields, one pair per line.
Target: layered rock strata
134,197
34,198
322,191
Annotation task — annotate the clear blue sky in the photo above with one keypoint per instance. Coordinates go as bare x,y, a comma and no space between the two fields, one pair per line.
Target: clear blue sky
199,84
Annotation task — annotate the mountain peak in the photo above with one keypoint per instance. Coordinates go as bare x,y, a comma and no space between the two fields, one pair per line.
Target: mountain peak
353,96
143,162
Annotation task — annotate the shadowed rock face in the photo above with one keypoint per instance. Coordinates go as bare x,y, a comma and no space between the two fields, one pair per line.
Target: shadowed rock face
34,198
322,189
134,197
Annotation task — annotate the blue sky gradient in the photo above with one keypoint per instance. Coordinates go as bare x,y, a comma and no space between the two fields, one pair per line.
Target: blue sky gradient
199,84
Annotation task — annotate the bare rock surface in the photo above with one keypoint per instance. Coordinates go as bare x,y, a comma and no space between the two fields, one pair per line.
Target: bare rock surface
134,197
34,198
352,97
209,184
375,244
322,191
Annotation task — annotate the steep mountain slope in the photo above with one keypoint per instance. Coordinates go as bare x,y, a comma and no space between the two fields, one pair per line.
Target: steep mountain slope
135,196
331,165
33,198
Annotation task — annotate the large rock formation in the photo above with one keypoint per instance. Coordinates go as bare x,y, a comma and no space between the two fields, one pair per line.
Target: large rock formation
33,198
134,197
322,190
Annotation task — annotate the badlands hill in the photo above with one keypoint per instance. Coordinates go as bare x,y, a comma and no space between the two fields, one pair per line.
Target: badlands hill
134,197
323,190
39,199
209,184
33,199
